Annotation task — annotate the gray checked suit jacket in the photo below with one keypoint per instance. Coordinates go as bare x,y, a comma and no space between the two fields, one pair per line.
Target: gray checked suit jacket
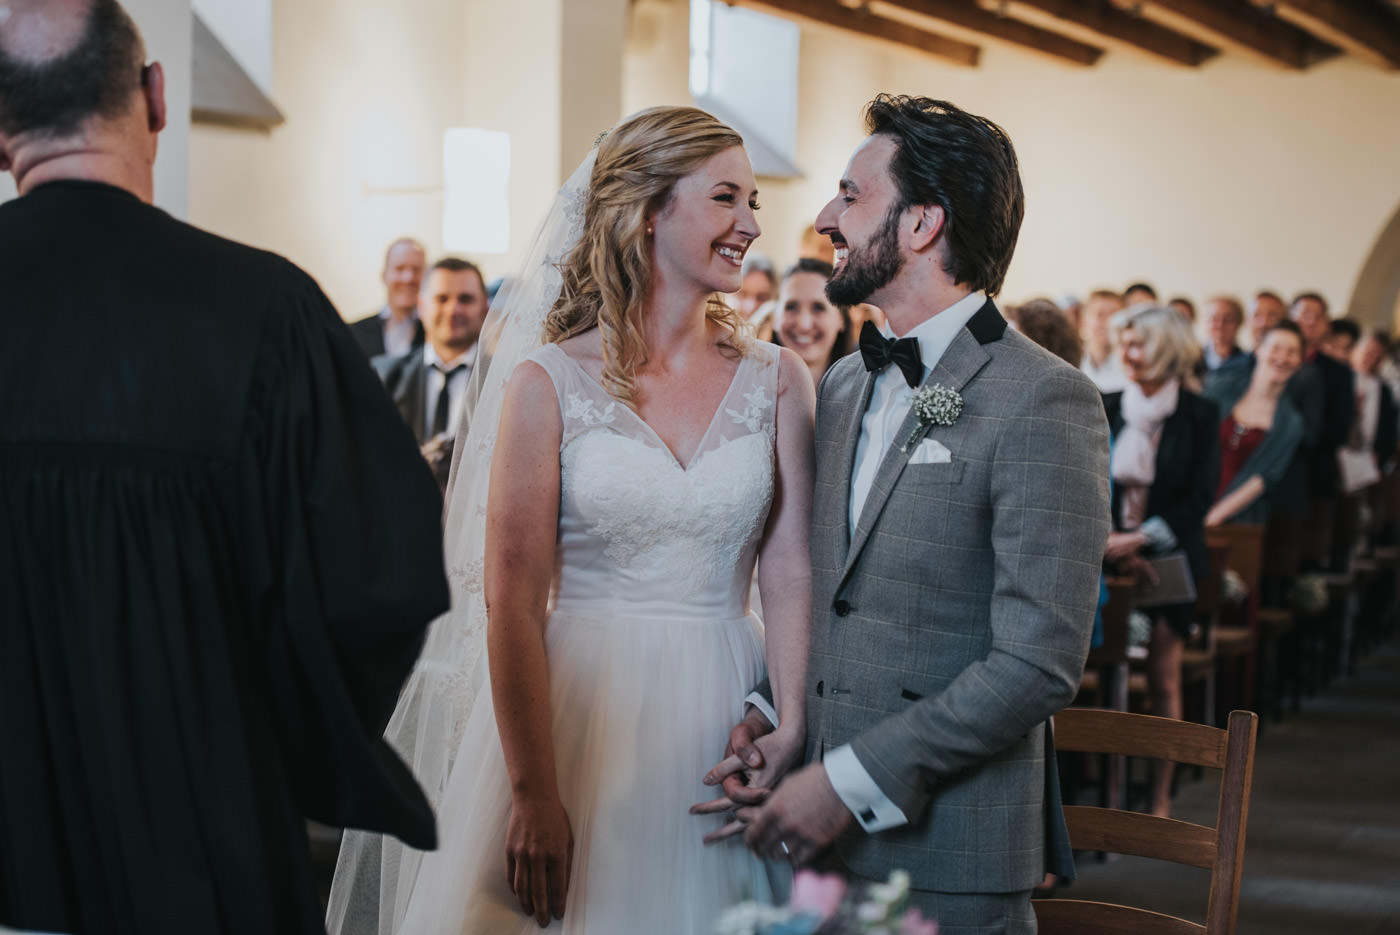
954,620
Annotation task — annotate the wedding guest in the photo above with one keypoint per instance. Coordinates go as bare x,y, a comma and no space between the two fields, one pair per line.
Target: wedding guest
1046,324
1101,362
1266,311
395,329
758,285
1342,336
219,550
1260,430
809,322
1376,413
1326,394
1165,468
1224,318
1183,307
429,384
1139,293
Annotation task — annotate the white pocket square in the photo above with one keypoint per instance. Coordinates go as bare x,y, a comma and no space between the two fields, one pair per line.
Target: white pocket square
931,451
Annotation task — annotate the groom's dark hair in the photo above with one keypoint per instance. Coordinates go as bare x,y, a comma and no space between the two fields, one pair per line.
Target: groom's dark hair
966,165
92,72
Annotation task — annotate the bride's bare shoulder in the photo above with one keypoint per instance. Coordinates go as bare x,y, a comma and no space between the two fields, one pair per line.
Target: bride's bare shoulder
586,350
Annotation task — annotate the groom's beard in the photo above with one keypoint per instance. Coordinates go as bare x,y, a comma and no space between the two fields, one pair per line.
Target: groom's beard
870,268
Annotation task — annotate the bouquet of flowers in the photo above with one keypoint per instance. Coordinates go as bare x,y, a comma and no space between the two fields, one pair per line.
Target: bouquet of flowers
822,904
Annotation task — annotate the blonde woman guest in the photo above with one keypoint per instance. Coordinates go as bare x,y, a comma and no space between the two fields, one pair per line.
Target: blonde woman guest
807,321
646,454
1165,467
1260,429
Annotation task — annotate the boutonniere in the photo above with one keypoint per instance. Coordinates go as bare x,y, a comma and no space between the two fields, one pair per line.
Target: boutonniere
933,405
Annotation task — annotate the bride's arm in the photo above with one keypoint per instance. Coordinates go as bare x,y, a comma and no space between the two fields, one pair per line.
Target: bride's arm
785,567
522,519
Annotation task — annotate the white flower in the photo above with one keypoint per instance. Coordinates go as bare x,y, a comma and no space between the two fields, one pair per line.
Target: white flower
934,405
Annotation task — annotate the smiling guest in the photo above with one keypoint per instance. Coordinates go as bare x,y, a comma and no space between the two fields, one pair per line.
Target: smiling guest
1165,466
428,384
809,322
1260,430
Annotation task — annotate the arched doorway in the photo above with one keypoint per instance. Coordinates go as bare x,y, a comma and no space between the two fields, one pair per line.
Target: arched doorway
1375,302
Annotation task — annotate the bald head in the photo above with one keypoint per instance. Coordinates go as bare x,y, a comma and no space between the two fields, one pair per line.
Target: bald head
63,62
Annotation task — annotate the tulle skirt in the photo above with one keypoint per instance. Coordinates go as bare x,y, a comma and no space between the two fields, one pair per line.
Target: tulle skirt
641,710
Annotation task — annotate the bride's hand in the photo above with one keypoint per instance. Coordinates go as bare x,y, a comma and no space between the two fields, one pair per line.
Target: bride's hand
539,857
756,758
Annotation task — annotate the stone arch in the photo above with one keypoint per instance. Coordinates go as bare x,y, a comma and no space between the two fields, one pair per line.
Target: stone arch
1375,300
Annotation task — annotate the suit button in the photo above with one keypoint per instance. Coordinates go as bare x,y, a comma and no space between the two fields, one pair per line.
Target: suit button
842,607
820,686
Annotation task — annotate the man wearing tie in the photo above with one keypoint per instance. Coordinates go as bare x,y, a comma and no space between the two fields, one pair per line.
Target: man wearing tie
429,383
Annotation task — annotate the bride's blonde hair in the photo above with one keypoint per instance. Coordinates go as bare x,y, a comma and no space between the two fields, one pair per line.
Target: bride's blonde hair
608,274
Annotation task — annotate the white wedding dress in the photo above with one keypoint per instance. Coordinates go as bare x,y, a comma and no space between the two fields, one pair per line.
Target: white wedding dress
651,651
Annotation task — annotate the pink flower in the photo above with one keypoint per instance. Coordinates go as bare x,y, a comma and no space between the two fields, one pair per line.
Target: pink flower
817,894
914,923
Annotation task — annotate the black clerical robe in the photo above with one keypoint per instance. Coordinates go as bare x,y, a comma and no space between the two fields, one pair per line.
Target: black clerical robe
219,550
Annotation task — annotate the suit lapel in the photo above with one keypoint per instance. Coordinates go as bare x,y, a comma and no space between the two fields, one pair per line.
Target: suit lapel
959,364
847,438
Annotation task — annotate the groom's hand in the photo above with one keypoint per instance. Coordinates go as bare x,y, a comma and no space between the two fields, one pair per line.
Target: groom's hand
802,818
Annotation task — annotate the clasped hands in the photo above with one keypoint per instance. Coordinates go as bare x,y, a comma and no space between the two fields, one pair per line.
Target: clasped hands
795,820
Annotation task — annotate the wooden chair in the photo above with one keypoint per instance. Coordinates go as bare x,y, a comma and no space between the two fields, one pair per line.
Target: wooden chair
1237,640
1219,850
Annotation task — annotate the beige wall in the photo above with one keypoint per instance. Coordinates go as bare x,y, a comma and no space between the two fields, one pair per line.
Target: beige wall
368,89
1225,178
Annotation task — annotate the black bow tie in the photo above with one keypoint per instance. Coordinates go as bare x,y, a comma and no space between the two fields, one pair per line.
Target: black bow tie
879,352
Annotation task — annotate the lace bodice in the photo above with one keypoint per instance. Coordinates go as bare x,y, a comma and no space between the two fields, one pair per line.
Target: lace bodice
637,528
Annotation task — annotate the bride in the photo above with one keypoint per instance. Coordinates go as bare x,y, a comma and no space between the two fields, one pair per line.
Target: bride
611,497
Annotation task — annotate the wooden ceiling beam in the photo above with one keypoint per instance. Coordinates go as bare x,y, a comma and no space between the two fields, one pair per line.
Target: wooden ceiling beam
831,13
1104,19
968,16
1359,26
1236,25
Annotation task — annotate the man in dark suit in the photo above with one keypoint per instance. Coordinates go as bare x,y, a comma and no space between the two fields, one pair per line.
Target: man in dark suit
960,515
429,383
219,550
395,329
1326,386
1224,318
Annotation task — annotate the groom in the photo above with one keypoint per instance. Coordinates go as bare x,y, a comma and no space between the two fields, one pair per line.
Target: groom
955,555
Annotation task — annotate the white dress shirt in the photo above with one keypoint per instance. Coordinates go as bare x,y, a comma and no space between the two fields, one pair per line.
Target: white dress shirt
457,389
889,402
398,332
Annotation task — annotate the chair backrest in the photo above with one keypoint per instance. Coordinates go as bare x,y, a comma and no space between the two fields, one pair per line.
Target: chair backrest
1244,554
1219,850
1212,589
1114,648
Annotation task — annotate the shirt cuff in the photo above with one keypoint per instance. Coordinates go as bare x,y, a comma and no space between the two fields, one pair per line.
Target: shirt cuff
764,707
873,809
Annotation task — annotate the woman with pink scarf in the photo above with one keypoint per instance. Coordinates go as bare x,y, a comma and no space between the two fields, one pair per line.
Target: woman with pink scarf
1165,467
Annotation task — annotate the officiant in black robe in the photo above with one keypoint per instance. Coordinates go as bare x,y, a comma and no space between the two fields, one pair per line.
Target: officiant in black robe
219,547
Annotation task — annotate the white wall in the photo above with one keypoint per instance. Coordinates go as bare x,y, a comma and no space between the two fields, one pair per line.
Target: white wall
167,28
1225,178
368,89
245,29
